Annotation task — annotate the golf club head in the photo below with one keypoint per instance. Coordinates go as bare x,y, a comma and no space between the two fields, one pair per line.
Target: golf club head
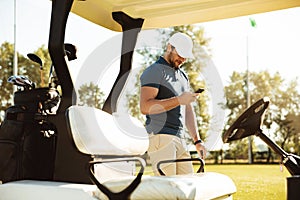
21,81
35,59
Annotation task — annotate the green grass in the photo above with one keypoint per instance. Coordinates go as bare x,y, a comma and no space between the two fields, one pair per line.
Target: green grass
256,181
263,182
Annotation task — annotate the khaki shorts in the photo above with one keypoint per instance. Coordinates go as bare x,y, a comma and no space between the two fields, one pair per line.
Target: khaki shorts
166,147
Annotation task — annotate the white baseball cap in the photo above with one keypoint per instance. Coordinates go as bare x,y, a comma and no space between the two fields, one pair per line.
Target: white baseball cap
183,44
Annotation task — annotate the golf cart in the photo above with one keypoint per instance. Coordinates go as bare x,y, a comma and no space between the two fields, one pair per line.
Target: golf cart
250,123
86,136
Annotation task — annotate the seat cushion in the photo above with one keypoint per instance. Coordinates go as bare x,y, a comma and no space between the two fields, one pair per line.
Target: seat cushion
46,190
208,185
96,132
201,186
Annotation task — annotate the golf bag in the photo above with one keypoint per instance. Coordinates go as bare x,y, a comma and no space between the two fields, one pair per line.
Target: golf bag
27,138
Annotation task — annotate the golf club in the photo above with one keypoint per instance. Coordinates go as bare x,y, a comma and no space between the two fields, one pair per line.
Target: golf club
38,60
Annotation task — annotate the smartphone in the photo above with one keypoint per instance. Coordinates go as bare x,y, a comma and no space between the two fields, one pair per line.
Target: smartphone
200,90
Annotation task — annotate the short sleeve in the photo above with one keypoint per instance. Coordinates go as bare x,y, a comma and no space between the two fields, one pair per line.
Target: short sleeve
151,77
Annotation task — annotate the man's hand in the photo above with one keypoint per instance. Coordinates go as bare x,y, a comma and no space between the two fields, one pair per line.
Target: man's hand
187,98
201,150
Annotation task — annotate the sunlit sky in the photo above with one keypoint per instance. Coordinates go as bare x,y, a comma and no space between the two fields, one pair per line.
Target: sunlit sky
273,45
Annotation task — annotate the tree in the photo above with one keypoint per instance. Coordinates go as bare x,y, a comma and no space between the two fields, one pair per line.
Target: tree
295,137
284,103
91,95
192,68
25,68
6,70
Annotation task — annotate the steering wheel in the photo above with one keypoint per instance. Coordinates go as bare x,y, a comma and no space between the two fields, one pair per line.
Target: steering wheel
249,122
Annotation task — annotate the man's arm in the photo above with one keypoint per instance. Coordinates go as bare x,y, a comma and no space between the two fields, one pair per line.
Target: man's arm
190,122
150,105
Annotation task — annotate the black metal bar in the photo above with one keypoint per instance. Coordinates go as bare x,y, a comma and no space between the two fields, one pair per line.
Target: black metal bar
125,193
271,144
131,27
290,161
69,162
59,16
201,168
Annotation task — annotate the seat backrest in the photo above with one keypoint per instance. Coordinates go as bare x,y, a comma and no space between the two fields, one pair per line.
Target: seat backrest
96,132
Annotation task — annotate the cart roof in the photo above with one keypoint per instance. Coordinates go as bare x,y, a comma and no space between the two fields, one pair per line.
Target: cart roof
166,13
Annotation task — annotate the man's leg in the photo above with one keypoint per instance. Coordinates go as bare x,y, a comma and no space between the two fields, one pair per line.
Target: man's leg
182,153
162,147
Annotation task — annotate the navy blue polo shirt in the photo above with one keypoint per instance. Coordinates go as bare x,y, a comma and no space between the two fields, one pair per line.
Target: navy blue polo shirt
170,82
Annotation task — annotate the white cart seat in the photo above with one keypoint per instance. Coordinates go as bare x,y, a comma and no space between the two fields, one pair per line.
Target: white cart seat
203,186
96,132
200,186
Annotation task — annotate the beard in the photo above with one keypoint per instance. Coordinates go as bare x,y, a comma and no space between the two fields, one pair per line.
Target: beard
175,63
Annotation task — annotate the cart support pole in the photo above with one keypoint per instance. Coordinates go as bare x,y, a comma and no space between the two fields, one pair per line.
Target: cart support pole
70,164
131,27
293,185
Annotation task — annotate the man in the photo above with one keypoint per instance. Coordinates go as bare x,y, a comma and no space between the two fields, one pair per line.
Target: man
165,91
